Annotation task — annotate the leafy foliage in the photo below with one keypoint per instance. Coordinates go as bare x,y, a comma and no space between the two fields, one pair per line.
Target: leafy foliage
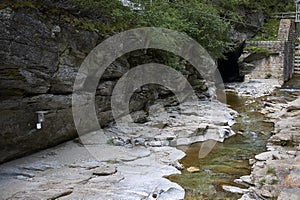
268,32
200,19
258,50
195,19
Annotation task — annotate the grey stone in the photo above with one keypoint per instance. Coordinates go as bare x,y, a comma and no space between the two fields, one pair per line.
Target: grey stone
289,194
104,170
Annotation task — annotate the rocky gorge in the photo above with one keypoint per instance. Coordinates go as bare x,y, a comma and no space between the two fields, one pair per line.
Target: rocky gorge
42,48
39,62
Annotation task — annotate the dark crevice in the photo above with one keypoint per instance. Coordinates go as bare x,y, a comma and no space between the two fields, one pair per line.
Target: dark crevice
229,67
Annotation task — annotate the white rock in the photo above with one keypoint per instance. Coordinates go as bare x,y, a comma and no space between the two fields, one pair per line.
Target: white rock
269,155
260,164
247,179
234,189
252,161
246,197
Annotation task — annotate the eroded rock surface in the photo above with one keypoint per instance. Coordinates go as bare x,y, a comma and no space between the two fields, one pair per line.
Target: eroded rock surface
95,166
276,173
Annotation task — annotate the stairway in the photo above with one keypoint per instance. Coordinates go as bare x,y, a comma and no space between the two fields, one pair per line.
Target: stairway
297,59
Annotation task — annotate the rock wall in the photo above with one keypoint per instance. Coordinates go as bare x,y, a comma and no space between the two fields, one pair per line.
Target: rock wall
40,54
278,64
39,60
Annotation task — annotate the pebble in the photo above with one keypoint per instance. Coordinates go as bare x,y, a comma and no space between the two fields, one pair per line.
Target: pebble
193,169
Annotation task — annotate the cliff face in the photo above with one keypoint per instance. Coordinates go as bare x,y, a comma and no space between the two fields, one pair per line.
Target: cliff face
41,51
241,32
251,21
40,56
39,60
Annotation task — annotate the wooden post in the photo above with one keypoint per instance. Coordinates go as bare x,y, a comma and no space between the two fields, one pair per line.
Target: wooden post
297,19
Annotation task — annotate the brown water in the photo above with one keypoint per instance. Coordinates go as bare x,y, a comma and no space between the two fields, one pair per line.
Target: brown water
229,160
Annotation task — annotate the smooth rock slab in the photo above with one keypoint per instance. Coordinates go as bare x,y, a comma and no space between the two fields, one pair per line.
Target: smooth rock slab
234,189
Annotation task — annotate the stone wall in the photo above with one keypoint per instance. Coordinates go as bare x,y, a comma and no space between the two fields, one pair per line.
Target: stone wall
278,63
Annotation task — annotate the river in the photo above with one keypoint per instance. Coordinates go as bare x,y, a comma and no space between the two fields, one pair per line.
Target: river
230,160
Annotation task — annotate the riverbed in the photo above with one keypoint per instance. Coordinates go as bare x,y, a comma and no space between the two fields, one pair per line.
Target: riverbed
230,160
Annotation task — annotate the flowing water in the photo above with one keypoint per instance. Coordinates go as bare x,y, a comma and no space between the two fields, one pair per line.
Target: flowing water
229,160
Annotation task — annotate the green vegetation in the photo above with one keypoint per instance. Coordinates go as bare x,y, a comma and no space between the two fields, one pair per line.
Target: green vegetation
258,50
110,141
273,182
231,7
271,171
268,75
268,32
203,20
262,181
286,143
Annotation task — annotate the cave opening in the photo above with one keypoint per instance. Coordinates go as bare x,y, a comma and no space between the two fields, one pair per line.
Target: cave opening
229,67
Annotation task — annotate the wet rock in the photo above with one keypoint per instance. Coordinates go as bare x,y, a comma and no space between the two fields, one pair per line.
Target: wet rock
255,88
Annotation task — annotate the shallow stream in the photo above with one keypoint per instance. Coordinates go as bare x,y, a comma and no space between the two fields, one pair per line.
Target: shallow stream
230,160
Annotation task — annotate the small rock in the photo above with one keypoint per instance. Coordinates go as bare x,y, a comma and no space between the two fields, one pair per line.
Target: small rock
292,108
293,153
139,141
266,193
260,164
264,111
247,179
105,170
265,156
118,141
238,180
154,143
193,169
177,165
246,197
252,161
21,177
234,189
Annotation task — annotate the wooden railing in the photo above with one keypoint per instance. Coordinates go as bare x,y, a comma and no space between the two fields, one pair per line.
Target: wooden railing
284,15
